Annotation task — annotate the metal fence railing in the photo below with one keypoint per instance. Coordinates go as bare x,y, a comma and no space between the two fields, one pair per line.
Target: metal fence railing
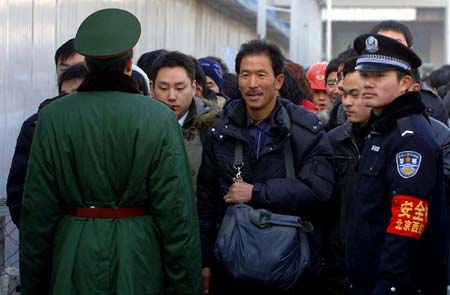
9,252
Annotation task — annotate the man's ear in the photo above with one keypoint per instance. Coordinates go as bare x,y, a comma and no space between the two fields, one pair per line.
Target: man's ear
406,82
415,87
279,80
194,88
129,67
152,87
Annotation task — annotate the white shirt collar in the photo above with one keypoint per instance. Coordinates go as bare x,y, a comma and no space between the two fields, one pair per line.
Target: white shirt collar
182,119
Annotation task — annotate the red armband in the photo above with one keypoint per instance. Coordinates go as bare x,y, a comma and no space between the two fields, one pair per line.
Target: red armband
409,216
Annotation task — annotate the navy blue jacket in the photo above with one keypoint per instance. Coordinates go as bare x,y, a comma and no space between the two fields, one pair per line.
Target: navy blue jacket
397,237
303,196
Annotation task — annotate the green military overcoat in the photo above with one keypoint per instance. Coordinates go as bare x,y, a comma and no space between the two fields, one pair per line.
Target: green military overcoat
109,149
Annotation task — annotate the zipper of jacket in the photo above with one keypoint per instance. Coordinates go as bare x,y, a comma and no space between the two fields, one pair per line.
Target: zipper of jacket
356,149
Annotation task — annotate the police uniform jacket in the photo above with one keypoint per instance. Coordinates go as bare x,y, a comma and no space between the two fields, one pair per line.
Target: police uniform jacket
396,236
304,196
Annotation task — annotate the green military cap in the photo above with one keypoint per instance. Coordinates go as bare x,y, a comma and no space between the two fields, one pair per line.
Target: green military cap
108,33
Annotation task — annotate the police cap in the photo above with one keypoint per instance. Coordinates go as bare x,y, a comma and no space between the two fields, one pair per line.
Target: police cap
108,33
381,53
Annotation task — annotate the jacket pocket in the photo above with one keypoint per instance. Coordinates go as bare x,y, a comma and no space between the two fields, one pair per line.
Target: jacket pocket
371,180
341,164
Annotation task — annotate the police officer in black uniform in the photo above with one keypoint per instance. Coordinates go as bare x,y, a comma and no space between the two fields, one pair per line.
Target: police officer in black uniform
397,236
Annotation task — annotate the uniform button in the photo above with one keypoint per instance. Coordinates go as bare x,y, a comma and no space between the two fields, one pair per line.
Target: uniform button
226,126
419,291
221,136
213,129
393,289
314,127
351,286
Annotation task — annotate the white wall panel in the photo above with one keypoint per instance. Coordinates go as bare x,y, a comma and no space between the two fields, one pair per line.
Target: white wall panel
31,31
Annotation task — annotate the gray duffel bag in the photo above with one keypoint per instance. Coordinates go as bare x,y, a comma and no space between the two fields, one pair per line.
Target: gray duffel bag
258,246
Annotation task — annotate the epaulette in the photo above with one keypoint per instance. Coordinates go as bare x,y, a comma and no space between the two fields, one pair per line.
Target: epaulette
405,126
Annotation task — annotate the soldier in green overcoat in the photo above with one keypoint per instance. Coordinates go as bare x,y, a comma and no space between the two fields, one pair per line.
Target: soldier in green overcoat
108,206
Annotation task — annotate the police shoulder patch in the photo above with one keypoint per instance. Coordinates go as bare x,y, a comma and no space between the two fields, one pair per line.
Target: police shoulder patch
408,163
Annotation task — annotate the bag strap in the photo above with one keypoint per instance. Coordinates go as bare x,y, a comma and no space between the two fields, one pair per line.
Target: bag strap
288,155
238,154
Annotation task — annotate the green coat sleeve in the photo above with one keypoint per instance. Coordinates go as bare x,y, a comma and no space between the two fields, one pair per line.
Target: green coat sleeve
41,210
173,207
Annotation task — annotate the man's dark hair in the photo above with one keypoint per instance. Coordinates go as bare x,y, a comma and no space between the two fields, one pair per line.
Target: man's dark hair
392,25
332,66
173,59
415,74
200,77
349,66
65,51
221,62
401,74
146,60
446,67
256,47
231,86
141,83
290,89
438,77
77,71
347,54
295,86
104,66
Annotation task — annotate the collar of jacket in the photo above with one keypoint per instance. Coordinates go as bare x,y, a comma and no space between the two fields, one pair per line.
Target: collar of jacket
110,81
346,132
234,118
196,109
404,105
49,101
238,117
211,95
352,131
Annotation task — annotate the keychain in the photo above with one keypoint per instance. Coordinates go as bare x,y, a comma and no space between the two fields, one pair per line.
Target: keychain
238,176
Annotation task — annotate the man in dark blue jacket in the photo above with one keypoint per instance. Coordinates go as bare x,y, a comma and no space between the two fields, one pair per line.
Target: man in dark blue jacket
256,121
347,141
397,233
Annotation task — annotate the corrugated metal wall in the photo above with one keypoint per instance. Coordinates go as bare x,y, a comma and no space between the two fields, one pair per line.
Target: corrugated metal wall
31,31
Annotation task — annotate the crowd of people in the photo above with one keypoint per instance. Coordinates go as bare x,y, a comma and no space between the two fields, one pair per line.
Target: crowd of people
120,184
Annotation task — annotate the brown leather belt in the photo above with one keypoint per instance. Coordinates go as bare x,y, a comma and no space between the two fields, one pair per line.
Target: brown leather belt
93,212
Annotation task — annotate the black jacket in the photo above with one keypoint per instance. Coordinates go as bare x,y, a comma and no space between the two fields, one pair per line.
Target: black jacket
435,107
398,226
18,171
304,196
347,141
